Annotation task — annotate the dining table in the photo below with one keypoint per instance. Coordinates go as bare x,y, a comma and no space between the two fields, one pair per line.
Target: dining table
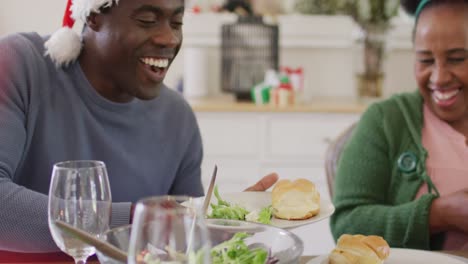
62,258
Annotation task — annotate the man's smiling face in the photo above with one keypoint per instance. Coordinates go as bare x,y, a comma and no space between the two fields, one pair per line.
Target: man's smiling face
135,41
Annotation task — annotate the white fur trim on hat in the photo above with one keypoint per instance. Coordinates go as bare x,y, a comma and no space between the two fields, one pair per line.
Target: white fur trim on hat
64,46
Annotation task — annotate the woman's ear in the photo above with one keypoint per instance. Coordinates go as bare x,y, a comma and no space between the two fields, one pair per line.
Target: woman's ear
94,21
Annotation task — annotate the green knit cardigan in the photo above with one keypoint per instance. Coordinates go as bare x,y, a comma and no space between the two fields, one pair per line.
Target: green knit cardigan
379,173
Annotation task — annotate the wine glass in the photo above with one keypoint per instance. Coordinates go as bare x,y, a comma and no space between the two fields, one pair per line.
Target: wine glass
169,228
79,195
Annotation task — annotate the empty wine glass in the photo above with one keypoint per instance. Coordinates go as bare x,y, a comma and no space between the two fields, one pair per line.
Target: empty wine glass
79,195
169,228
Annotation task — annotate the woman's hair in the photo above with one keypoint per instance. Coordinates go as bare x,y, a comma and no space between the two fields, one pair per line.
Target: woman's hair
410,6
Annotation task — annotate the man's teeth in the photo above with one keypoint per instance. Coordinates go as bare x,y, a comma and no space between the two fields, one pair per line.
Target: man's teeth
160,63
440,96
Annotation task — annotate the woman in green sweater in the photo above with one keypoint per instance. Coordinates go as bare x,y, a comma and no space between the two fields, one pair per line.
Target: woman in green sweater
402,175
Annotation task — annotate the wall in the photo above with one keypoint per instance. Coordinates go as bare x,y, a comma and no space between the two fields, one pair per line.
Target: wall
43,16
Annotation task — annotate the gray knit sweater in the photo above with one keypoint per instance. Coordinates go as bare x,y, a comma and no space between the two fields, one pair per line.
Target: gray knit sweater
49,115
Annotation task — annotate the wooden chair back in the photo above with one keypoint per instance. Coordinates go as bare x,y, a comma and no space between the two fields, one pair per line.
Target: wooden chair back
333,155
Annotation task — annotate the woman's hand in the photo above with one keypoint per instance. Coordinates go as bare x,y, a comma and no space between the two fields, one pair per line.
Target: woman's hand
450,212
264,183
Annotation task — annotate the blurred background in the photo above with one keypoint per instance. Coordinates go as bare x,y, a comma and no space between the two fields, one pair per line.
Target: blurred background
314,35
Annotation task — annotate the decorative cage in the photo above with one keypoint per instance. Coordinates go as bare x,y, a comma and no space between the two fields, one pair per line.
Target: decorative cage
249,48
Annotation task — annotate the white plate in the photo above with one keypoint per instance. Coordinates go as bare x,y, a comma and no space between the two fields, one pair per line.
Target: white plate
258,200
400,255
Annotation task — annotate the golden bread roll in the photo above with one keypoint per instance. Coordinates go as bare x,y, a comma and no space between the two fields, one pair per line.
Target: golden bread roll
295,200
354,249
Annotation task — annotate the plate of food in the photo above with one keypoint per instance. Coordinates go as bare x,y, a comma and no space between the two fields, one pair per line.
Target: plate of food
374,249
290,204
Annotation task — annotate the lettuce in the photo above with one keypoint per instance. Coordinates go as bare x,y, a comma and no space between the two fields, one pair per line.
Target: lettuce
224,210
265,215
235,251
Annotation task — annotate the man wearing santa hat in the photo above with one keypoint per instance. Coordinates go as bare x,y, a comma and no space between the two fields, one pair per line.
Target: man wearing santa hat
95,93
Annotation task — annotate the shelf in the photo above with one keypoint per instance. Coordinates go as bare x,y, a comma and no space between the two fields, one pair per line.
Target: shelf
318,105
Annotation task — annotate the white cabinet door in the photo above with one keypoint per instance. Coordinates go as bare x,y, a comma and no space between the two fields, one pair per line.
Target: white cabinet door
303,136
233,136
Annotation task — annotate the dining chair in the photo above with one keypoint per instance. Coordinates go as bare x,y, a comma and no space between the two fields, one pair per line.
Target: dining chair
333,153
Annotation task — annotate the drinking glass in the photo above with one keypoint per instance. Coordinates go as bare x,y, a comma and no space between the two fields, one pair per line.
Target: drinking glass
79,195
169,228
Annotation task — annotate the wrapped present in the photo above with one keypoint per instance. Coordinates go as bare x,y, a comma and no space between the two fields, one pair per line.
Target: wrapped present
283,95
261,94
296,77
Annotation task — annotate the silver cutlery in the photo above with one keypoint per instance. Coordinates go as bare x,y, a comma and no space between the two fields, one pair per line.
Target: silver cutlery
206,202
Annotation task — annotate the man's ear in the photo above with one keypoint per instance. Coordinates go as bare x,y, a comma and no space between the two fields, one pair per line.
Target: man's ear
94,21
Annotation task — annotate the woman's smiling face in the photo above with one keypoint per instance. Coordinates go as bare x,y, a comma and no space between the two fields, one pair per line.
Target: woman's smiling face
441,60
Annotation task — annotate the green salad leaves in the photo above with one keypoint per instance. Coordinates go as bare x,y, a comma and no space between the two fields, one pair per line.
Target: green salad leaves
265,215
225,210
232,251
235,251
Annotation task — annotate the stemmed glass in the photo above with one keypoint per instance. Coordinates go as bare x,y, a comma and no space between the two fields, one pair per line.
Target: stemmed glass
169,228
79,195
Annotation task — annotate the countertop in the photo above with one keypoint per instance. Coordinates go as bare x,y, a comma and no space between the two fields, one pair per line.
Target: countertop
324,105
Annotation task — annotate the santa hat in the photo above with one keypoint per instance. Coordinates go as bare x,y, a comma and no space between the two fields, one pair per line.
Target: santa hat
64,46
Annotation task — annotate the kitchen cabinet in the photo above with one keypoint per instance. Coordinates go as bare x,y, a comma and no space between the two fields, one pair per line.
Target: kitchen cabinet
247,145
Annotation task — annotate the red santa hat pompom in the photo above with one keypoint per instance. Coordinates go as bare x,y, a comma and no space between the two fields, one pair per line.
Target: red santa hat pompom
64,46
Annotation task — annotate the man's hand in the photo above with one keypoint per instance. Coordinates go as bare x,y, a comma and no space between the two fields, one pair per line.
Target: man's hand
263,184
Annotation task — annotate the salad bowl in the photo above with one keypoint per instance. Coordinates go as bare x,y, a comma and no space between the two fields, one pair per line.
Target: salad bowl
281,245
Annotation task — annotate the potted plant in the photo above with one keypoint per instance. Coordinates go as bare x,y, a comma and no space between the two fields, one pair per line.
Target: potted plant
373,16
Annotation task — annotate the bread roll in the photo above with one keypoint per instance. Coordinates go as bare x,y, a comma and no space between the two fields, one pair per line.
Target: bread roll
295,200
352,249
